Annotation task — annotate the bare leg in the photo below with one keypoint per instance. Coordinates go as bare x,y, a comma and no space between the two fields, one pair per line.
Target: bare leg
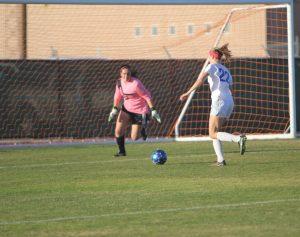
135,132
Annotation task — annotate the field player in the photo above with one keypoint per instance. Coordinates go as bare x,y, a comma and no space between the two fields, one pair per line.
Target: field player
220,81
134,111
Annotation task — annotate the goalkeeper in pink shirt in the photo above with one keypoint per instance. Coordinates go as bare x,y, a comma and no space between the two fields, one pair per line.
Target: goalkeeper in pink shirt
135,109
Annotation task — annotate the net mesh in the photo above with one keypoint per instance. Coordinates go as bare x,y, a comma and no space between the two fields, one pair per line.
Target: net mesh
59,65
260,73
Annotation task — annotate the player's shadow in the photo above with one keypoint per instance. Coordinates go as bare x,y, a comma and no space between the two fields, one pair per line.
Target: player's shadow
265,150
276,149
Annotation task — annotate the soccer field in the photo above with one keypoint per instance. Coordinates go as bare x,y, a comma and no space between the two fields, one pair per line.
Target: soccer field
84,191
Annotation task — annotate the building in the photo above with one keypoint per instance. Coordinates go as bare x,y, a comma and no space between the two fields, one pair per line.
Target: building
128,31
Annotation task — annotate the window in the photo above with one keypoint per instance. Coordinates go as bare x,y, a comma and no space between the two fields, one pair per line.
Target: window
207,28
137,31
190,29
172,30
154,30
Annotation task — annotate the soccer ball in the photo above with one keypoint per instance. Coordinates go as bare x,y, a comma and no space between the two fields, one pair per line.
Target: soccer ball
159,157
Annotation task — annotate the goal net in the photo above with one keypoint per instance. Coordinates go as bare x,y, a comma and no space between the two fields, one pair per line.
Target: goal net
260,70
59,65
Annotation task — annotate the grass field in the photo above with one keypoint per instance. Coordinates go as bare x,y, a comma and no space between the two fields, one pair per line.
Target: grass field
83,191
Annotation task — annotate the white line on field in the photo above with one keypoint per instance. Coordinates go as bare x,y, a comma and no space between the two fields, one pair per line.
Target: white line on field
65,163
69,218
88,162
113,160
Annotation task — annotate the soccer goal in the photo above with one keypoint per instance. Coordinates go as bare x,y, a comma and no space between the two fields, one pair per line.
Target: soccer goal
59,63
263,73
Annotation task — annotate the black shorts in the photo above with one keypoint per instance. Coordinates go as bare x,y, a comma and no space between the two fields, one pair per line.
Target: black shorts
138,119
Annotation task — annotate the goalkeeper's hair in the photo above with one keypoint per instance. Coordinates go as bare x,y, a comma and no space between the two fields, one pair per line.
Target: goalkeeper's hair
130,70
125,66
224,52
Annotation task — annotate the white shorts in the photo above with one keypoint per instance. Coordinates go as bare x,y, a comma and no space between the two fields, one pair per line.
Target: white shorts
222,107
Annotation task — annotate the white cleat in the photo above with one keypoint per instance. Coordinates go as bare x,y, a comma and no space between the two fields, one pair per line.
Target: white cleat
223,163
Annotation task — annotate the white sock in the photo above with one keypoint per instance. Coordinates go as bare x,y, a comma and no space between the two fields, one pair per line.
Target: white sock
227,137
218,149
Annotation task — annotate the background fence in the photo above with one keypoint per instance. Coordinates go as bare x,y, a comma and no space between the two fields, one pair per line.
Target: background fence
67,100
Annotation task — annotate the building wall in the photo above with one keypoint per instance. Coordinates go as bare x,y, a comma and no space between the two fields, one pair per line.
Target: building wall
11,31
70,31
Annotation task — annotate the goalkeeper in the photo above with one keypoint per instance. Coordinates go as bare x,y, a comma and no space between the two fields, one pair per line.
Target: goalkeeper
134,111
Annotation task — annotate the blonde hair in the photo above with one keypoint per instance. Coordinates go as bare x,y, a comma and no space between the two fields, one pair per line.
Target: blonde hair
224,52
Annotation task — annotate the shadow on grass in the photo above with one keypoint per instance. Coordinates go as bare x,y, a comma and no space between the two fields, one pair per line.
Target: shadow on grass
264,150
275,149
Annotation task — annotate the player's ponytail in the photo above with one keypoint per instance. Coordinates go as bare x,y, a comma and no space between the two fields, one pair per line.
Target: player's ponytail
224,52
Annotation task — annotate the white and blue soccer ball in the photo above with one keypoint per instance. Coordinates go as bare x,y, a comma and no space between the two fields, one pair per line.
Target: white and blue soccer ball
159,157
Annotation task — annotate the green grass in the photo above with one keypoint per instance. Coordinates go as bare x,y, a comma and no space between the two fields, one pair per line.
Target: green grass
83,191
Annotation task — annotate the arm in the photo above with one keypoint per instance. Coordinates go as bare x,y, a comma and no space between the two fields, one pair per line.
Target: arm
198,83
117,97
150,103
117,100
154,113
142,92
145,94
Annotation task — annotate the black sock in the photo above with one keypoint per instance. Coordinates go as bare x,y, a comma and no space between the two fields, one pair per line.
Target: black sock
121,143
143,133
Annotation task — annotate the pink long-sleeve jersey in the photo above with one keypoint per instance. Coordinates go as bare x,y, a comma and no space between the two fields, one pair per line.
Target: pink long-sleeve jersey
135,96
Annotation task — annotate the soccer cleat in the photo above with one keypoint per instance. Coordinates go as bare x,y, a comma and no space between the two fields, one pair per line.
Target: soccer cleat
144,134
242,144
120,154
223,163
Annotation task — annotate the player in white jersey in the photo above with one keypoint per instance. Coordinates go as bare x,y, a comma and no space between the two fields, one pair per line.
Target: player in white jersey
220,81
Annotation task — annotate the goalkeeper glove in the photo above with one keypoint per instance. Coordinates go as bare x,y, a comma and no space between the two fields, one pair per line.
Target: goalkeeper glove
155,115
113,113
